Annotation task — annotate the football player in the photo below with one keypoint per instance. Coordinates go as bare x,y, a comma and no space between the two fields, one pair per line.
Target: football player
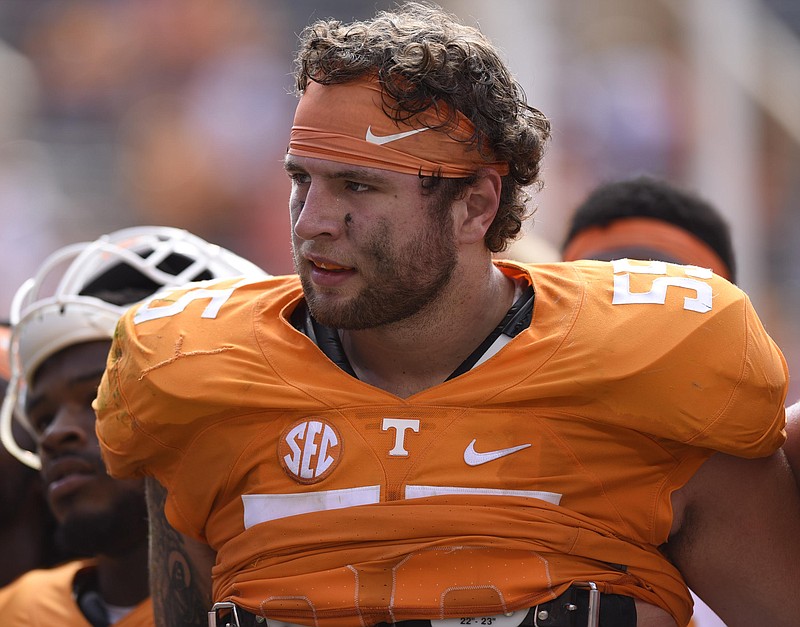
26,523
649,218
409,432
62,321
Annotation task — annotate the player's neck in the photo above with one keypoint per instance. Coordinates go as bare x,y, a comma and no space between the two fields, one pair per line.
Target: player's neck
412,356
123,579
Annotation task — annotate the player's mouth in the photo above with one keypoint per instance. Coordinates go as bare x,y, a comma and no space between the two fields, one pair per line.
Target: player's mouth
331,267
66,476
327,273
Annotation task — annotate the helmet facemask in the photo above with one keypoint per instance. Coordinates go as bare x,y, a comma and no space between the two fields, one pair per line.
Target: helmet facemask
81,290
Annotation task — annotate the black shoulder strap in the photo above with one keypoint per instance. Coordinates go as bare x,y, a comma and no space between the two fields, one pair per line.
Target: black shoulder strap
325,338
516,320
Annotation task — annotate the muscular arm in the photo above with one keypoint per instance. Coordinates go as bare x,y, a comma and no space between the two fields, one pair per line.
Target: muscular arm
180,569
738,545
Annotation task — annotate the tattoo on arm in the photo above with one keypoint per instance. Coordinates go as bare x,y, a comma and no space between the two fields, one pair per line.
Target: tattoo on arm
181,595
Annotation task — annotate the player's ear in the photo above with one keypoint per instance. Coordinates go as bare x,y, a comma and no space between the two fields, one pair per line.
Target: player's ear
476,210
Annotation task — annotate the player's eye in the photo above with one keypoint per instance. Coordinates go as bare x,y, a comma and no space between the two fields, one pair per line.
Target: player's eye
40,422
353,186
299,178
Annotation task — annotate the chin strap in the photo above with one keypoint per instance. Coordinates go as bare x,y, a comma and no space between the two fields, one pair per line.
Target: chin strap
7,427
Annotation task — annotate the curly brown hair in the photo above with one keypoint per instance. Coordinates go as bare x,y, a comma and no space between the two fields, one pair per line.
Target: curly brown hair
424,57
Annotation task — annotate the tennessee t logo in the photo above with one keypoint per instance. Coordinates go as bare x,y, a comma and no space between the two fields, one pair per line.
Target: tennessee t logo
400,426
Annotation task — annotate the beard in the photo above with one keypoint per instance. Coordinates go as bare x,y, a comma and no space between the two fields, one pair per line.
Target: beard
114,531
400,282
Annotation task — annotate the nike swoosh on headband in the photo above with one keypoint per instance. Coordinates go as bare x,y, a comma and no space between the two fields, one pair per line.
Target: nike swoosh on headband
385,139
473,458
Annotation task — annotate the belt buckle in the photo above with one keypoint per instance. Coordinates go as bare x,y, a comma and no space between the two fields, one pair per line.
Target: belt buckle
564,611
214,617
593,619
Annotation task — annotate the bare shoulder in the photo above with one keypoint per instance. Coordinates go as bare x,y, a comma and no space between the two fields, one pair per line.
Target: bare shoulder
736,539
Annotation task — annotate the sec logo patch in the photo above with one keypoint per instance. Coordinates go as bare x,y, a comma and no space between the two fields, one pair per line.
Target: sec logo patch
309,450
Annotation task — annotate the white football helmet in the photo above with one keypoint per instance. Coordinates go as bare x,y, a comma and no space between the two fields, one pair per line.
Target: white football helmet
81,290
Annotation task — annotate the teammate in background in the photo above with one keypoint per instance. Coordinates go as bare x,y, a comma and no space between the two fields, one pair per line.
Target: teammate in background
408,431
62,323
26,523
648,218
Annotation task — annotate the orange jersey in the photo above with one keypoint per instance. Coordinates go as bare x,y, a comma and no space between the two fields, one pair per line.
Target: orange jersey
44,597
332,502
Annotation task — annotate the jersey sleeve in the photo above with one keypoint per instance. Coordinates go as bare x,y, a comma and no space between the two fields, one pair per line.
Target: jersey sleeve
175,361
681,355
127,447
752,421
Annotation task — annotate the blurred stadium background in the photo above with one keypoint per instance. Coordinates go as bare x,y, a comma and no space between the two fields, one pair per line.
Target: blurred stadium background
122,112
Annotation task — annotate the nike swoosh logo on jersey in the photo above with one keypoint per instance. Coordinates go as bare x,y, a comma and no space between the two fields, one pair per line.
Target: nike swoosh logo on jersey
385,139
473,458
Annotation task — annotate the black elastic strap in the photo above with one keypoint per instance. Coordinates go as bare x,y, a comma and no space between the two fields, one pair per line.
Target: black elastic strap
516,320
325,338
